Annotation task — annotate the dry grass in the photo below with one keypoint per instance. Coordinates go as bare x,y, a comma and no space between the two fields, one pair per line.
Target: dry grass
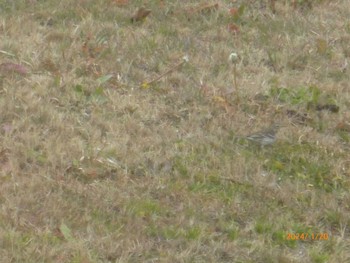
97,168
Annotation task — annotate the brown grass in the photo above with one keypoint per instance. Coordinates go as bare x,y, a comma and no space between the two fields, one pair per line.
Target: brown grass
101,164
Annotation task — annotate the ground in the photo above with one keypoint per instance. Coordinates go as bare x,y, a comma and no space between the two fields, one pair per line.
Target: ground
122,132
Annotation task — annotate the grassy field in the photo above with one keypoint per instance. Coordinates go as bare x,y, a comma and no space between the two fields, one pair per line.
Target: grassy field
122,137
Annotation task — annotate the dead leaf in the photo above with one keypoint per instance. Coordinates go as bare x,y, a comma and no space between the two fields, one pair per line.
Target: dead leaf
219,99
233,28
57,233
343,126
161,4
237,13
91,49
140,15
50,66
208,8
203,9
233,11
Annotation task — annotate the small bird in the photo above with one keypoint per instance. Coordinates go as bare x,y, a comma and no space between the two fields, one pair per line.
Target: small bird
265,137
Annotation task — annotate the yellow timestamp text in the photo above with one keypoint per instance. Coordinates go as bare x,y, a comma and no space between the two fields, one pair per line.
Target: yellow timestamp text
307,236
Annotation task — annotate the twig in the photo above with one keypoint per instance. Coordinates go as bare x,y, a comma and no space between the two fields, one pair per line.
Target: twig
148,83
